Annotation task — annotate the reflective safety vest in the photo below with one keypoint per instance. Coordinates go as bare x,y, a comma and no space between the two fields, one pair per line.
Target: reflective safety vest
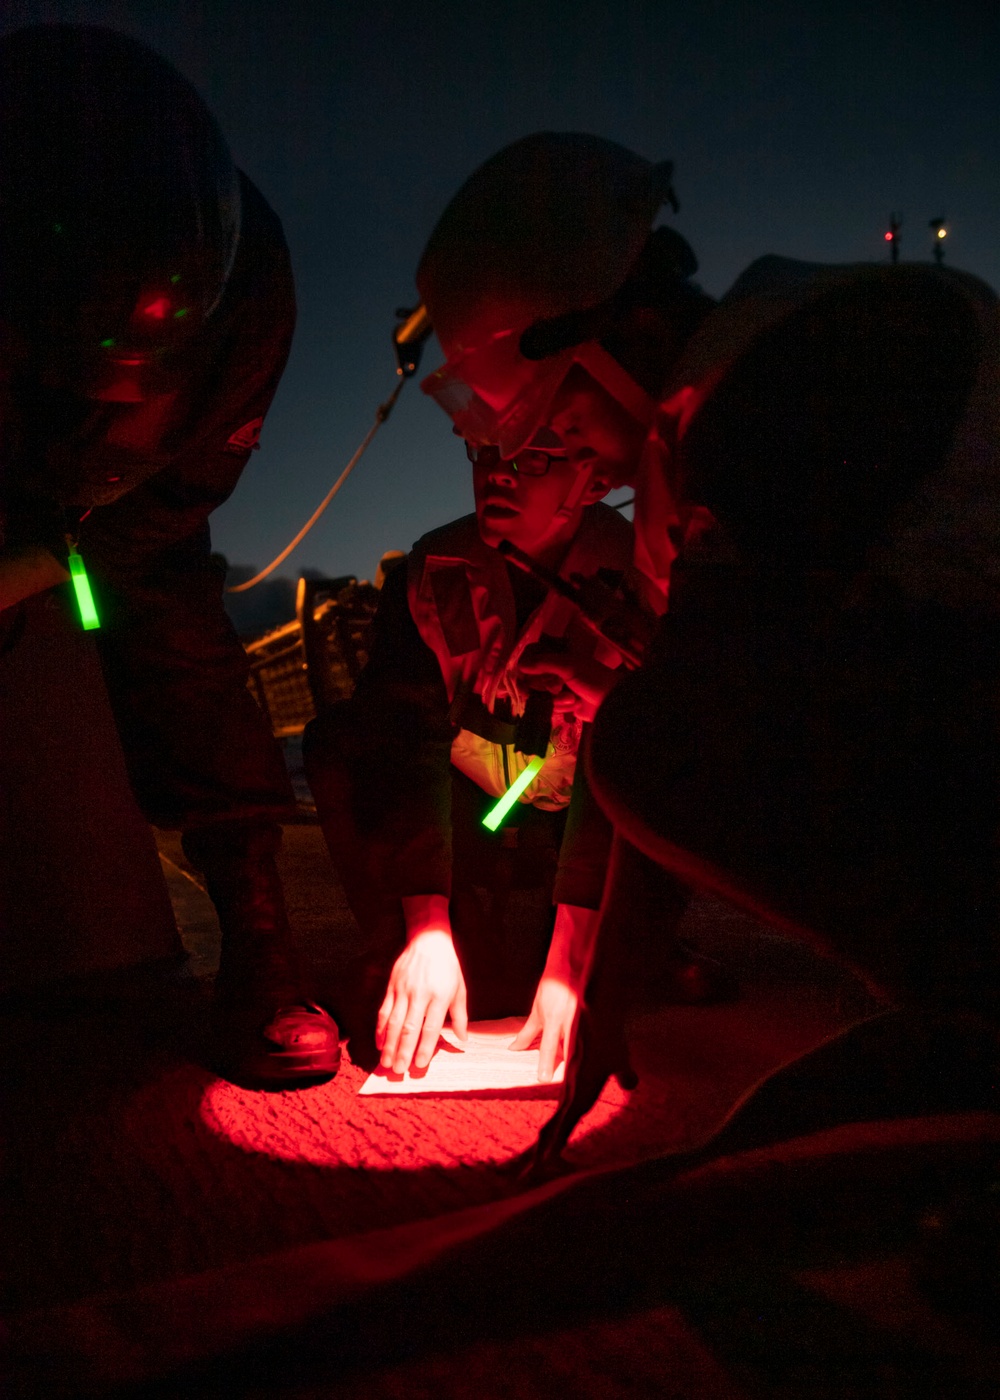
462,602
948,540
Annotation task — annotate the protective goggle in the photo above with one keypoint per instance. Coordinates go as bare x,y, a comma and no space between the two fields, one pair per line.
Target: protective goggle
495,395
528,461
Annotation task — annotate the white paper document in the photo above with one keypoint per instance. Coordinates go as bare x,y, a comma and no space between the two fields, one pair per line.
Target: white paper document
486,1063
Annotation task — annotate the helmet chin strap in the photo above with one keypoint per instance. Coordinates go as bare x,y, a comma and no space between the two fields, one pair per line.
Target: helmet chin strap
576,492
616,381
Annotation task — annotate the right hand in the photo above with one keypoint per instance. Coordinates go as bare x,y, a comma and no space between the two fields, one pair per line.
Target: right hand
552,1016
425,986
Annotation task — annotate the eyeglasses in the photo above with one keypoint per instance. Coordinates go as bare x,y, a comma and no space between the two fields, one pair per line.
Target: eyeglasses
530,461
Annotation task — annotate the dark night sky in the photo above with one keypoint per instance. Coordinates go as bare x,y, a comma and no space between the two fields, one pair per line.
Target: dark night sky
795,129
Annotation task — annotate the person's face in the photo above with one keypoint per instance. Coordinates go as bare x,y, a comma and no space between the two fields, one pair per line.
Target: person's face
80,452
594,427
512,504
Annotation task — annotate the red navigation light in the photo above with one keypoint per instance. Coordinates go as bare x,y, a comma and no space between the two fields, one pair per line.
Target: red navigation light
892,236
157,309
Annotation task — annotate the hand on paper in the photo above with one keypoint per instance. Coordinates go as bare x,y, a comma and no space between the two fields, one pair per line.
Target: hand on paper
552,1015
425,986
557,998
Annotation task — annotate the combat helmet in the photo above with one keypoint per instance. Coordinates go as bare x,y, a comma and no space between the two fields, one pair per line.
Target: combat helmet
119,208
521,270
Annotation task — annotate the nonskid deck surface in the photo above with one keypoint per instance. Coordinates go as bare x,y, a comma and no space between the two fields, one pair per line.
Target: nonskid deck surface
135,1168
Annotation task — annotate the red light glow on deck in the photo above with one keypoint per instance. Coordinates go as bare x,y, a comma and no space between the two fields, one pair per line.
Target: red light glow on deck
330,1126
157,309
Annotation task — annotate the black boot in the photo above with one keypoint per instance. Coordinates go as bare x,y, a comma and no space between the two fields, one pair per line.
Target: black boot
269,1034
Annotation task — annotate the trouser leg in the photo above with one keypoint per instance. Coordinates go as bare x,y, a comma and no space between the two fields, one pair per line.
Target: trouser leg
269,1030
258,958
662,965
598,1046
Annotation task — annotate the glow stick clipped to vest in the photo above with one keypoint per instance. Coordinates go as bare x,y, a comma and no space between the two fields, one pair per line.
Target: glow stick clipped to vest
81,587
533,731
497,813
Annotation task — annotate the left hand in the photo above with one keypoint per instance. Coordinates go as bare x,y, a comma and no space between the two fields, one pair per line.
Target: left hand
553,1013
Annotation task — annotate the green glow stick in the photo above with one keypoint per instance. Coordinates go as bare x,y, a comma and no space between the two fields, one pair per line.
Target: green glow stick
496,814
84,597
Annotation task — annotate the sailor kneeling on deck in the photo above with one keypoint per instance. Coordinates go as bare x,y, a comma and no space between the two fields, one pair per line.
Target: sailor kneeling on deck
458,920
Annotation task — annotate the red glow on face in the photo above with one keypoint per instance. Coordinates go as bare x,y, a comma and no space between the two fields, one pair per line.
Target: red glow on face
122,391
157,309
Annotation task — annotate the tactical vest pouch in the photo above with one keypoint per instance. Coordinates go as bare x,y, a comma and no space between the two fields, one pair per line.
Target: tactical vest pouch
493,767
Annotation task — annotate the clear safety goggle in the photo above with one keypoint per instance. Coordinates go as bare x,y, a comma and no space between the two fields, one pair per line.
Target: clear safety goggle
494,395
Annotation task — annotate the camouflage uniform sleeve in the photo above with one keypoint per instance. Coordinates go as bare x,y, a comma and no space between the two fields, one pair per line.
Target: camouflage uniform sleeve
385,755
586,843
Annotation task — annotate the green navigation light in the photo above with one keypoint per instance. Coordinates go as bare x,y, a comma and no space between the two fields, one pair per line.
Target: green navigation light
496,814
84,597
